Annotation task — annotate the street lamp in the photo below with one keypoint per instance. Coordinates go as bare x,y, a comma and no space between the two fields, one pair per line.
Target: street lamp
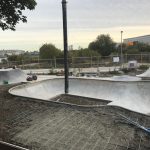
64,11
121,49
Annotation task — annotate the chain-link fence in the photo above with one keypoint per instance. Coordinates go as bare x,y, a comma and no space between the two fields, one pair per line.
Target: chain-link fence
78,62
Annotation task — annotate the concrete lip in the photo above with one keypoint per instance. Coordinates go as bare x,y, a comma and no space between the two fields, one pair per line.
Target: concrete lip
11,76
8,146
132,95
145,75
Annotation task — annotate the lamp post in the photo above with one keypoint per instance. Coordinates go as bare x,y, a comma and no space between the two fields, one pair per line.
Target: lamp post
121,49
64,11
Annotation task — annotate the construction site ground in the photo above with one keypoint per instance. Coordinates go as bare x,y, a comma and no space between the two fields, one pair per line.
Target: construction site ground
42,125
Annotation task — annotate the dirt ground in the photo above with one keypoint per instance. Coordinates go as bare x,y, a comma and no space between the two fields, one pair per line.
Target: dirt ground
40,125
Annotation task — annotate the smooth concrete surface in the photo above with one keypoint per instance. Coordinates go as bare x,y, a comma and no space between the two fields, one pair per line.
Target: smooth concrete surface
45,77
132,95
146,74
122,78
12,76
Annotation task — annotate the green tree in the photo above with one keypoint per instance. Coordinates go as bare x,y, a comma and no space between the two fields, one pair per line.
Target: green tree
12,58
18,58
132,50
104,45
143,47
11,12
118,49
4,61
83,53
48,51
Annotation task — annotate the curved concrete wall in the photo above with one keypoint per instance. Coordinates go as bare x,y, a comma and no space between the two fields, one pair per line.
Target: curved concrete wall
146,74
12,76
133,95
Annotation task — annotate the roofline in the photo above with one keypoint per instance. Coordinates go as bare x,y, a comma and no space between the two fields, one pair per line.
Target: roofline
137,37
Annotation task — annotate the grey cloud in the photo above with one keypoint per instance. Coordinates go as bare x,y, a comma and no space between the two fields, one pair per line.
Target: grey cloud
89,14
45,21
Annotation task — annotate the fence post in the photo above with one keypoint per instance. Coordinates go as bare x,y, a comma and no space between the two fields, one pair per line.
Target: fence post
22,64
111,60
72,62
126,58
55,62
51,63
141,59
98,61
91,61
38,62
8,63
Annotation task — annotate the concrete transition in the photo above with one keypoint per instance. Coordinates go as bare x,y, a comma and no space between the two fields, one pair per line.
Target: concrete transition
10,76
122,78
146,74
132,95
8,146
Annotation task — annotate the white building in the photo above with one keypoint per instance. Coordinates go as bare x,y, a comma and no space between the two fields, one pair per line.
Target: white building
144,39
11,52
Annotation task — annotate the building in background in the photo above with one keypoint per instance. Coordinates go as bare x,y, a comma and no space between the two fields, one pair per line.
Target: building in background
70,47
11,52
143,39
3,59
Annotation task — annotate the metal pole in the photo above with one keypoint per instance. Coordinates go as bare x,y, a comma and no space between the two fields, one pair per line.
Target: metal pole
55,62
64,9
121,49
91,61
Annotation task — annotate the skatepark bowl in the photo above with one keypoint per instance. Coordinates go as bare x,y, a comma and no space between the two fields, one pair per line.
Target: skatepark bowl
131,95
11,76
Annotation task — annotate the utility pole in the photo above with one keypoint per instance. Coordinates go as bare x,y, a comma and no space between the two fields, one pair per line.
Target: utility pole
64,10
121,49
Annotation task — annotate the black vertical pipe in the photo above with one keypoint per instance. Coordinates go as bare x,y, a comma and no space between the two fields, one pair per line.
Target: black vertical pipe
64,9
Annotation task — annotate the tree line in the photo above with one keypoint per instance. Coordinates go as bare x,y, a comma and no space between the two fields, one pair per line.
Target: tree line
102,46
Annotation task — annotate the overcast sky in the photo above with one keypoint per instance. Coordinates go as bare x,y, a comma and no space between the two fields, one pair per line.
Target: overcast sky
86,20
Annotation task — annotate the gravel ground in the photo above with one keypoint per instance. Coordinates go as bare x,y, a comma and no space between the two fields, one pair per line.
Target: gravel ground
39,125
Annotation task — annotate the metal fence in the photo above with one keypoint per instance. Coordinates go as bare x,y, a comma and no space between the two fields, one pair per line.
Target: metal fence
77,62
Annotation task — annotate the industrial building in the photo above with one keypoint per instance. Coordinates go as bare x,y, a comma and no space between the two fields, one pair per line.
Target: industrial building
11,52
144,39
